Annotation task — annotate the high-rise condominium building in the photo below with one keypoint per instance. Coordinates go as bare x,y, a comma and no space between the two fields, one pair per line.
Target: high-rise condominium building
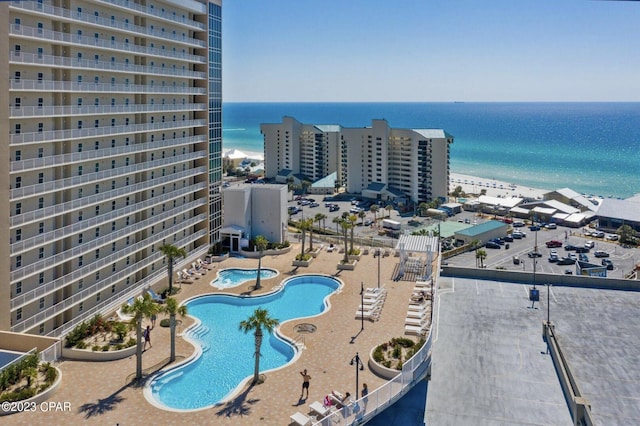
112,146
414,162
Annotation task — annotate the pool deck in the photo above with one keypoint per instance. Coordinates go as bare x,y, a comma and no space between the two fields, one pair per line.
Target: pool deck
102,392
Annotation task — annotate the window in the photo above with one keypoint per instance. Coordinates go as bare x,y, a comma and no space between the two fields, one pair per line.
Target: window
96,123
113,286
42,303
79,170
79,124
97,232
113,226
40,177
18,128
16,76
18,208
80,283
41,328
80,307
18,261
41,228
80,215
40,152
80,147
18,102
41,278
40,102
97,167
80,193
18,314
80,238
40,127
18,181
97,253
41,203
40,52
40,76
40,252
80,261
19,287
113,164
113,205
97,189
18,155
18,234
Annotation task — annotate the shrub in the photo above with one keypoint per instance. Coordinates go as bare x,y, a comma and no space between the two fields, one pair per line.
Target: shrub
402,341
399,366
105,348
121,330
304,257
354,252
397,352
95,348
378,354
50,373
120,346
131,342
81,345
165,322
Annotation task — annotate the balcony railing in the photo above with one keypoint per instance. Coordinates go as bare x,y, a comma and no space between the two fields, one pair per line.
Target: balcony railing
87,248
104,219
120,67
80,297
70,86
79,203
70,182
110,153
75,111
157,13
49,10
92,42
91,132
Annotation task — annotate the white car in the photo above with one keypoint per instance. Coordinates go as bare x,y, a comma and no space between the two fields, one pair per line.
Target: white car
612,237
589,244
551,226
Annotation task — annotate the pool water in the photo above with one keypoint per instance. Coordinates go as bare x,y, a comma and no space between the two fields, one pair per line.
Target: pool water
227,353
233,277
6,357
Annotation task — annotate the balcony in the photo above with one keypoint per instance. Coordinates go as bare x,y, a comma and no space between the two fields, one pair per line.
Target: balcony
92,132
79,203
19,57
70,182
83,295
75,111
49,36
159,14
46,238
76,157
109,24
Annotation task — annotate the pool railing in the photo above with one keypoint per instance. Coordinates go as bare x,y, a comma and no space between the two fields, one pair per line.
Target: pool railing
18,359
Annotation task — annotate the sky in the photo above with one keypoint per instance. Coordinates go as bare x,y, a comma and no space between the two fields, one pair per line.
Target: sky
430,50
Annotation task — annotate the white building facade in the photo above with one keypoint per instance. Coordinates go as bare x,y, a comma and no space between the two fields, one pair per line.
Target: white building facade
410,161
113,146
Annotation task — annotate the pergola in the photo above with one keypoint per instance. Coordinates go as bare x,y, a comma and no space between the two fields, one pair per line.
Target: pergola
417,252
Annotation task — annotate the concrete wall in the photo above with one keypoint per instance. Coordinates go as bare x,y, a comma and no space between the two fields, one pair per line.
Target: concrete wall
25,342
541,279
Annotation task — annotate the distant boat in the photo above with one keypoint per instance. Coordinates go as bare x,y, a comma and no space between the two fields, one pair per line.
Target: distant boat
458,102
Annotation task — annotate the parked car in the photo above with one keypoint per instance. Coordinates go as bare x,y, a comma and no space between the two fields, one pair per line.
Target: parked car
508,238
534,228
553,258
334,208
608,263
572,256
518,234
534,254
600,253
582,250
492,245
551,226
598,234
583,257
568,272
570,247
590,244
314,205
518,224
553,244
613,237
516,260
566,261
368,222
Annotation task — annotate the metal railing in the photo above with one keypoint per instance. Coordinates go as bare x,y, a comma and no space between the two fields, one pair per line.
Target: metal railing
73,86
17,360
76,111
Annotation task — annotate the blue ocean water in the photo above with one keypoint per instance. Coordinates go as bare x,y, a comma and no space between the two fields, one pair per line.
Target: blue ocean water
592,148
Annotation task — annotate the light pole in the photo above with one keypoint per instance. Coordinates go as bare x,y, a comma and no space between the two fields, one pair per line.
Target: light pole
362,305
548,291
378,256
359,366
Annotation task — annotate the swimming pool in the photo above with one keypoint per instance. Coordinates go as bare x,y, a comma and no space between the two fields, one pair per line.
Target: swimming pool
233,277
7,357
225,356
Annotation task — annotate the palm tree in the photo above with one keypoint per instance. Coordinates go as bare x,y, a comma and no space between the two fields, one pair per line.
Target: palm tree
172,308
422,208
388,208
171,253
345,224
320,217
481,255
256,322
304,225
142,307
290,185
374,209
362,214
305,186
261,243
337,220
352,220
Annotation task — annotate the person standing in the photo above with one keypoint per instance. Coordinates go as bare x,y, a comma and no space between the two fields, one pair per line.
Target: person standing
147,337
153,321
305,382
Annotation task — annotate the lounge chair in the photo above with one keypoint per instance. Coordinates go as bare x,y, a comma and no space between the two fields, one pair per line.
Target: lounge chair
414,330
205,265
300,419
417,307
319,408
371,315
187,274
417,314
154,296
331,248
421,322
122,315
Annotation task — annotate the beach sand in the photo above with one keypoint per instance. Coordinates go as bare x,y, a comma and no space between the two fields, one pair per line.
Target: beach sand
494,188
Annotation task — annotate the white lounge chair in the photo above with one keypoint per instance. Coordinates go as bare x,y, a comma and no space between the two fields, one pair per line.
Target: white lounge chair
205,265
414,330
300,419
421,322
417,307
321,410
154,296
417,314
371,315
187,274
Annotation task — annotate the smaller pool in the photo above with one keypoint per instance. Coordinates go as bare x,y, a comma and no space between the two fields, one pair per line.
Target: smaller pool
233,277
6,357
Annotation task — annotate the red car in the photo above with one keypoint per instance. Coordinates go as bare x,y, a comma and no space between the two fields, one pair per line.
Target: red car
553,243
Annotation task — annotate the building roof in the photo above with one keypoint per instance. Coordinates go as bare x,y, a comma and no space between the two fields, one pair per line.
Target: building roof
417,243
326,128
285,172
574,196
503,202
451,205
481,228
328,181
559,205
376,186
627,210
395,192
433,133
544,210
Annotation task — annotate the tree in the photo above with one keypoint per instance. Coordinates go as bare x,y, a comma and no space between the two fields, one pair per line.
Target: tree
141,308
422,208
481,255
304,225
352,221
305,186
626,233
256,322
290,185
171,253
345,224
362,214
388,208
261,244
172,308
337,220
320,217
374,209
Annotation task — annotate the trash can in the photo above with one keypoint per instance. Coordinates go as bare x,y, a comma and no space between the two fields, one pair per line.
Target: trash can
506,246
534,294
